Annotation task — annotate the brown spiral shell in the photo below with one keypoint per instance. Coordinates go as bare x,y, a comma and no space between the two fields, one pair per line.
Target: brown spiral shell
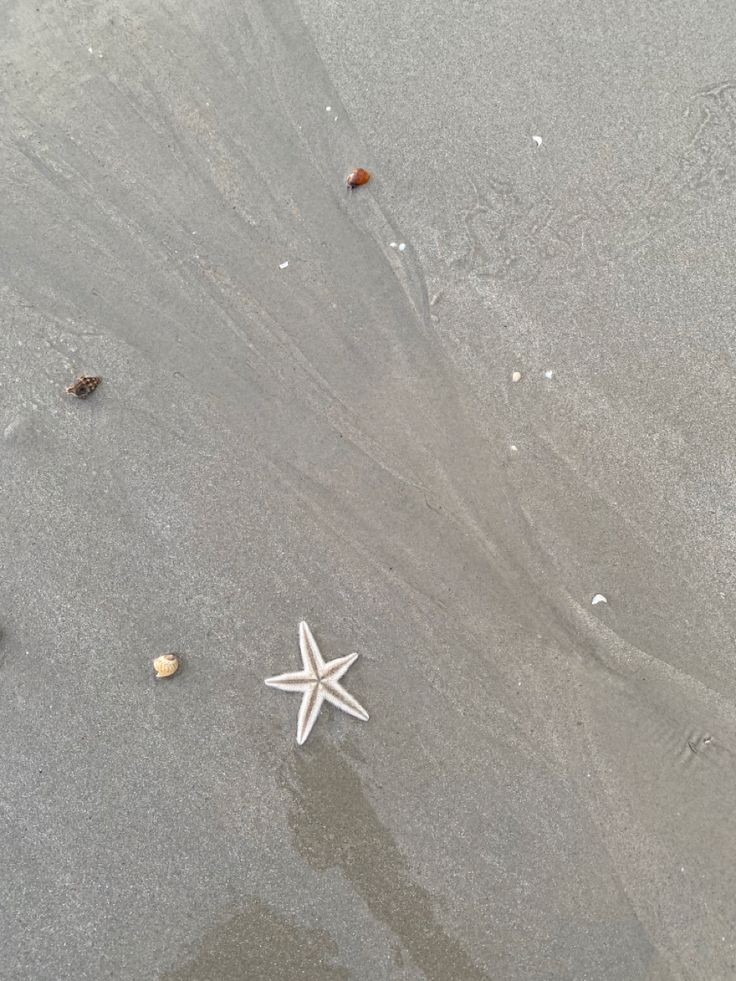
83,386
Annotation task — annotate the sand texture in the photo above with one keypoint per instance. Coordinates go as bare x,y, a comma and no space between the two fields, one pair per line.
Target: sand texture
545,788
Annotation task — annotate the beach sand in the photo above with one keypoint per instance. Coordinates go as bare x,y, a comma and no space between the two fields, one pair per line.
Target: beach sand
545,787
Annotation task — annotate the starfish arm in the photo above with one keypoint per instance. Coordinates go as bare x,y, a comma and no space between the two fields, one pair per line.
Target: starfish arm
308,711
311,657
334,670
336,694
292,681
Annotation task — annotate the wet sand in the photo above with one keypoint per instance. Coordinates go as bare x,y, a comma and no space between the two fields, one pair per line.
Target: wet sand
545,787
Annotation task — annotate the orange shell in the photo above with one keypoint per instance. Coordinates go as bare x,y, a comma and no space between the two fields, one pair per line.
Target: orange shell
358,176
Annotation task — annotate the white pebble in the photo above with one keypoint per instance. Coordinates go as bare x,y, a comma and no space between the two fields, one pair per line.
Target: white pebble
537,140
598,598
283,265
516,376
514,449
402,246
549,374
328,108
392,245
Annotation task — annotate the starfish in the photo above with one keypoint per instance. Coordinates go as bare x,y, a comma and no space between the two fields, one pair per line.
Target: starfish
318,681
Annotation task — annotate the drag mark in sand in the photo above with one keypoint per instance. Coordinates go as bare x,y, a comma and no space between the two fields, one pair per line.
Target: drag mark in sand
511,237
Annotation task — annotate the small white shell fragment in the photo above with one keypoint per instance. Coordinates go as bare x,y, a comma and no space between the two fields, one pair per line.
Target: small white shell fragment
402,246
549,374
283,265
392,245
11,427
515,376
537,140
598,598
514,448
328,108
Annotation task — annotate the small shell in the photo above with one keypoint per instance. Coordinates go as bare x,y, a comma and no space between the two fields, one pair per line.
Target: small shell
515,376
83,386
357,177
598,598
166,665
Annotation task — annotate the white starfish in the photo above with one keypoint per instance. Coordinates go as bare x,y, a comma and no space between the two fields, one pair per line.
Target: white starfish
318,681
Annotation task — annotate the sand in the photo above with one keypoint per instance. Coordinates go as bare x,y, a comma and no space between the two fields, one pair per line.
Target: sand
545,787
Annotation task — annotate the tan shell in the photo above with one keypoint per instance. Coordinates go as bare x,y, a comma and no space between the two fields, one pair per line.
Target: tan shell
166,665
